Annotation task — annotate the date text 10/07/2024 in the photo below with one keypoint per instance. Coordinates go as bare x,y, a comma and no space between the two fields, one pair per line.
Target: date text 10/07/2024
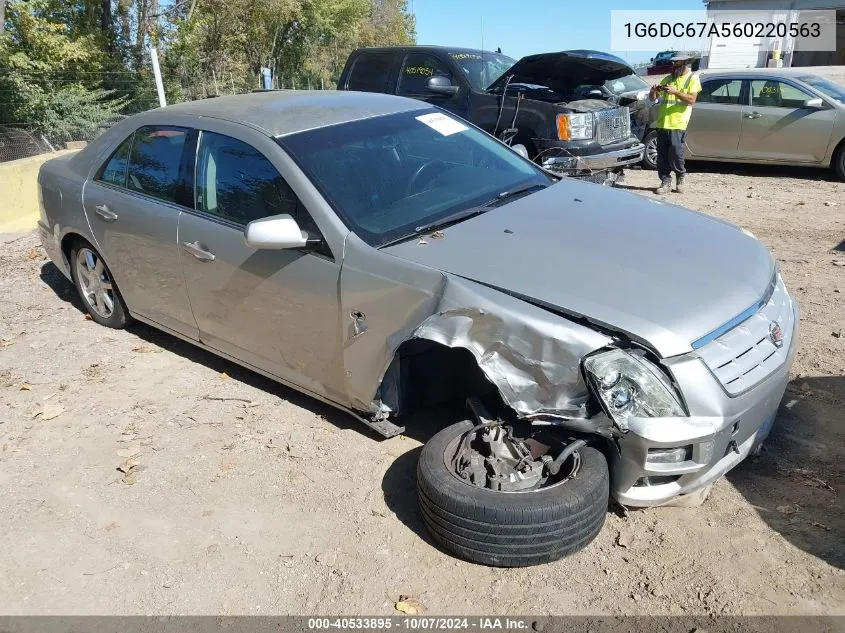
419,623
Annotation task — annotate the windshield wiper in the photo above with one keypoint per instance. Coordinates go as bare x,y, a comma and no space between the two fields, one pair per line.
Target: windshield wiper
465,214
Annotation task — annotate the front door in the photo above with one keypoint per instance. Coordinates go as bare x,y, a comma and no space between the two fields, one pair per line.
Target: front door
716,120
276,310
133,207
417,69
778,127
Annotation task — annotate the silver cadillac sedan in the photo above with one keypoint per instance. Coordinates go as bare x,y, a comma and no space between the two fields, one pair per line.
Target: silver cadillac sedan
386,257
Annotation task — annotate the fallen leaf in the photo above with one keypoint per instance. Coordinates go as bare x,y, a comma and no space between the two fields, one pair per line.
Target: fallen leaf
111,526
821,526
33,253
129,451
223,374
49,411
144,349
25,387
130,478
409,606
128,465
789,509
88,317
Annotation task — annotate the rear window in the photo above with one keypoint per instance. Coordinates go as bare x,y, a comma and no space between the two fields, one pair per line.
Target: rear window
371,72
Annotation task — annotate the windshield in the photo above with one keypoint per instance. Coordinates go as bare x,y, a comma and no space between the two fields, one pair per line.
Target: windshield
482,68
387,176
625,84
832,90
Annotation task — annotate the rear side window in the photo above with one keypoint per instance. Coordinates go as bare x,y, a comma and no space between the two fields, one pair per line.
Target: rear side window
417,70
114,171
154,161
371,72
777,94
725,91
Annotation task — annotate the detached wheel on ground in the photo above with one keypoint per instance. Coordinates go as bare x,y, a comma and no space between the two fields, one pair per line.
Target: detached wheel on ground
511,497
650,153
96,288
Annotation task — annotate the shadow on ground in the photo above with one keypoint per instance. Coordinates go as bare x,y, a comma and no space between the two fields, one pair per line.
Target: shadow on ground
797,481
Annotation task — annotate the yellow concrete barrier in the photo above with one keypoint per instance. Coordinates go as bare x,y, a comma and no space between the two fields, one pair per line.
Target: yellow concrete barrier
19,192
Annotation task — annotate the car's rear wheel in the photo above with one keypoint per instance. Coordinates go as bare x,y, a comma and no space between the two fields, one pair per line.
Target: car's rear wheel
96,287
650,153
518,523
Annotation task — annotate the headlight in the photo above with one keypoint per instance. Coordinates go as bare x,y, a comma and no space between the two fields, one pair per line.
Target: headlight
631,387
574,127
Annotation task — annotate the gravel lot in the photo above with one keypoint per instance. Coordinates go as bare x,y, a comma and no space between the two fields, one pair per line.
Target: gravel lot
248,498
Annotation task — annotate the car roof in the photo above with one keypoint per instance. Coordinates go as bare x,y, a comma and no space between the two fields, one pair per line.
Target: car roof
756,72
283,112
431,48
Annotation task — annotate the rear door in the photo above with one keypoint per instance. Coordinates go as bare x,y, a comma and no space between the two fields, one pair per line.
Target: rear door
133,204
373,71
716,120
276,310
777,127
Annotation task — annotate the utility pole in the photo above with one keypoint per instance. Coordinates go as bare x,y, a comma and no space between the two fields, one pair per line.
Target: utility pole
157,74
2,16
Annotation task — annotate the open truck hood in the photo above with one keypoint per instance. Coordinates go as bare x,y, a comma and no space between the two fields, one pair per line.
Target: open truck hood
664,275
577,67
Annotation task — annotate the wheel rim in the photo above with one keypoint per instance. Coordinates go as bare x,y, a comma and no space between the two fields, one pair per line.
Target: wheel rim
651,151
96,285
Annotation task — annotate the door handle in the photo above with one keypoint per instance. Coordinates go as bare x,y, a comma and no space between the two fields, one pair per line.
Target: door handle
752,115
197,251
104,212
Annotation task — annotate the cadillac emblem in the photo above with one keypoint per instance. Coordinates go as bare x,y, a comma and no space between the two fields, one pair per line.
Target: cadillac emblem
776,334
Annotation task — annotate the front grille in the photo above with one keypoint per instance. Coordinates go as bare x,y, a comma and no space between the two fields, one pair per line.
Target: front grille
746,354
613,125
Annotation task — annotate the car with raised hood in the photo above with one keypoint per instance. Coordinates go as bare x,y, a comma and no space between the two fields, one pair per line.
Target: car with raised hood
387,258
554,108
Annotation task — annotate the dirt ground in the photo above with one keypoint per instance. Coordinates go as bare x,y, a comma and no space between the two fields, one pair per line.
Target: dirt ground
243,497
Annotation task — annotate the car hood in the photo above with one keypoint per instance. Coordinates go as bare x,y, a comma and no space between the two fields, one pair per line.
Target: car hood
577,67
663,275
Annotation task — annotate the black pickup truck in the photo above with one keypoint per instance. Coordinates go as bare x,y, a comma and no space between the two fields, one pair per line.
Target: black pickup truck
559,109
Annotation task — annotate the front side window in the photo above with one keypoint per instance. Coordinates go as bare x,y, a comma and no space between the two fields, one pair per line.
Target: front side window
371,72
724,91
114,171
388,176
155,161
417,70
767,92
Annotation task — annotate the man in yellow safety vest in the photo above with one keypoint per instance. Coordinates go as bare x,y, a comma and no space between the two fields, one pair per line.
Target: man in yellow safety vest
677,92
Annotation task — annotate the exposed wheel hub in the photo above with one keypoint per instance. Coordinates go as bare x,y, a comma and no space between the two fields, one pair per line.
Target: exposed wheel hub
495,457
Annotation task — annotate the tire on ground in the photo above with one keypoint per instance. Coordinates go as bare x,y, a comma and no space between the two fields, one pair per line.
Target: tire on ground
119,317
514,529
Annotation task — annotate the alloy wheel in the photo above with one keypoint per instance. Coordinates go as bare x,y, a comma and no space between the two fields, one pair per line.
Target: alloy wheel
94,280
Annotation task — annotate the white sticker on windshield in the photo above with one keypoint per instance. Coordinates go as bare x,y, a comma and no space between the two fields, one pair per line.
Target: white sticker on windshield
441,123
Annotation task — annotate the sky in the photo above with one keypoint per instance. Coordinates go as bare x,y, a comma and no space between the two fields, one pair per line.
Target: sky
524,27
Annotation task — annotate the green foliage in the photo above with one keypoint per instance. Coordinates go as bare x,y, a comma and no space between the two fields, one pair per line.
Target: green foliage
68,67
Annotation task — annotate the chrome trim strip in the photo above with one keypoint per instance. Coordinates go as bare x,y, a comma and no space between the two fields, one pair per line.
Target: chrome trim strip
742,316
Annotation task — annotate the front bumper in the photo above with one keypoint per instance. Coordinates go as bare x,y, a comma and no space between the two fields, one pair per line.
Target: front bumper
716,443
596,162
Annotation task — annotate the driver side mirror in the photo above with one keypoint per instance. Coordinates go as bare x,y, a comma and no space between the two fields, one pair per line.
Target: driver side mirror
816,103
441,85
275,233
